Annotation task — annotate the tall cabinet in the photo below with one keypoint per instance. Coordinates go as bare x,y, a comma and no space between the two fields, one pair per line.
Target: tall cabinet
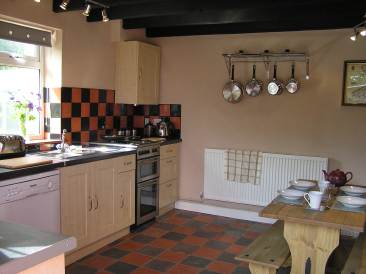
137,73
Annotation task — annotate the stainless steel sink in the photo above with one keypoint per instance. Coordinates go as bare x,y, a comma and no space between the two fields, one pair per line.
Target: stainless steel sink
68,154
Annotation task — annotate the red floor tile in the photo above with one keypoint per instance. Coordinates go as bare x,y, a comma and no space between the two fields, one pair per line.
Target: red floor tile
251,234
145,271
163,243
221,267
177,221
207,252
154,232
235,249
184,269
185,230
130,245
227,239
194,240
173,256
204,218
99,262
136,258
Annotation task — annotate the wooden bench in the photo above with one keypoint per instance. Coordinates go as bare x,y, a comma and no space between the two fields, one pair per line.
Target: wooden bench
356,262
268,252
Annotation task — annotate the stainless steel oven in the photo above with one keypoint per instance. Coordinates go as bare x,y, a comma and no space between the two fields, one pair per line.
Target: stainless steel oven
147,169
147,202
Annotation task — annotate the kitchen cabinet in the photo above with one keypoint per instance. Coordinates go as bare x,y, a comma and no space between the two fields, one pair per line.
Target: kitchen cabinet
137,73
169,174
97,199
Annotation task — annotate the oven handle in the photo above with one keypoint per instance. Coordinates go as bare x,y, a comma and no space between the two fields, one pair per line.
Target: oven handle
148,161
148,183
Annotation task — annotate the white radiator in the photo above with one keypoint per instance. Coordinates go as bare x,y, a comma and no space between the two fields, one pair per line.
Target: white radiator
277,171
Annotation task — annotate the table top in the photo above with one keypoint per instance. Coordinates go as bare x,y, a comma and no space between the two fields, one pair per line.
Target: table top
346,220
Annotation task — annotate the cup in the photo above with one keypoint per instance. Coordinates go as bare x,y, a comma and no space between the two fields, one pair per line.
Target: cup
313,198
323,186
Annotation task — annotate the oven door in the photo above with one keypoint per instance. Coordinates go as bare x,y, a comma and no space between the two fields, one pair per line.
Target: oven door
147,201
147,169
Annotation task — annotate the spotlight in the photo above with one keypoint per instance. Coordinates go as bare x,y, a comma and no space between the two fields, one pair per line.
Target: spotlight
354,37
64,4
86,12
38,1
363,31
105,15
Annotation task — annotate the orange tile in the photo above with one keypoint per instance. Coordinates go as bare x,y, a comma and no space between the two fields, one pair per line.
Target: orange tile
207,252
194,240
84,136
93,123
138,121
136,258
163,243
75,124
110,96
76,95
94,96
185,230
116,109
123,122
215,228
142,270
109,122
102,109
101,132
154,232
175,121
65,110
130,245
99,262
152,118
227,239
251,234
236,249
164,110
204,218
221,267
85,109
68,138
186,269
172,256
177,220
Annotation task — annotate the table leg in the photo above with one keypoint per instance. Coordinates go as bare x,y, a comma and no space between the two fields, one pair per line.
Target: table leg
310,241
258,269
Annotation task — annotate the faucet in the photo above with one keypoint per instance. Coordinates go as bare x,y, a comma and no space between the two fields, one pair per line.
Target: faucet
63,141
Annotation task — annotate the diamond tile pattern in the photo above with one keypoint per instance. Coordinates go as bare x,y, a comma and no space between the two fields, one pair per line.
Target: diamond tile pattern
179,242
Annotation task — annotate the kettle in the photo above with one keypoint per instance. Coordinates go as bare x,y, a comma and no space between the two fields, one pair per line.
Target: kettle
166,129
149,130
338,177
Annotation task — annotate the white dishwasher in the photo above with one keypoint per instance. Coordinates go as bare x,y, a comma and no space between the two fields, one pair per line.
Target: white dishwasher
32,200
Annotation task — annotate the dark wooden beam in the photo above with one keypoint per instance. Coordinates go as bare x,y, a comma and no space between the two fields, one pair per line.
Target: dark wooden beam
254,27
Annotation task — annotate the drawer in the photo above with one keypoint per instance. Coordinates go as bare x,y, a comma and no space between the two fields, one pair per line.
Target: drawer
167,193
168,169
168,151
126,163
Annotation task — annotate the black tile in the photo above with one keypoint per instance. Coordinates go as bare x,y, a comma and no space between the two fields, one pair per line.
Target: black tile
241,270
195,224
75,109
154,110
143,238
217,245
93,135
85,95
94,109
116,122
160,265
109,109
151,251
101,122
114,253
66,124
80,269
165,226
205,234
243,241
75,136
46,95
119,268
196,261
186,214
66,96
55,110
47,123
234,232
228,257
123,109
174,236
175,110
129,122
85,123
186,248
139,110
102,96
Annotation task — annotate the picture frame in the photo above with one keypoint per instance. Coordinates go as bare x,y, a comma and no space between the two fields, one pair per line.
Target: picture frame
354,83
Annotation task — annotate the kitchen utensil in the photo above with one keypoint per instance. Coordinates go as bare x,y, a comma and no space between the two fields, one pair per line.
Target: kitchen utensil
302,184
291,194
23,162
166,129
232,91
150,130
121,132
350,201
11,146
353,190
128,132
323,186
307,77
313,198
338,177
134,132
292,84
274,86
253,87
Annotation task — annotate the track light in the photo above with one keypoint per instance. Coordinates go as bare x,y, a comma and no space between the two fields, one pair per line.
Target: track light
359,29
64,4
86,12
105,15
354,36
37,1
363,31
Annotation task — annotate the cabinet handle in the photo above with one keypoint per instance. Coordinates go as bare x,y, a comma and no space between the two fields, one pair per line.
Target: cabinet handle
122,201
140,74
90,203
128,163
169,185
169,162
169,150
97,201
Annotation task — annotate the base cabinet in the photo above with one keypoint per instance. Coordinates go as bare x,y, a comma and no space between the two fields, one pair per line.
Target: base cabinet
167,193
97,199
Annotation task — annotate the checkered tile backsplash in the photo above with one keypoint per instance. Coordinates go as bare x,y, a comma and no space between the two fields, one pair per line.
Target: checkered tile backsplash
88,114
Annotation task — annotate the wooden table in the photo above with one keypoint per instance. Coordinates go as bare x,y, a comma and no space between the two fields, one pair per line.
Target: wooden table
312,234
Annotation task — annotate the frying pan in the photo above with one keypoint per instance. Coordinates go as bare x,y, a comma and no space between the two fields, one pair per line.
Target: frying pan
253,87
232,91
292,84
275,86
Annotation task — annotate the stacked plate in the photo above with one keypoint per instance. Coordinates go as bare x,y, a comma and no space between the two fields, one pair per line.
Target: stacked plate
303,185
351,201
353,190
291,194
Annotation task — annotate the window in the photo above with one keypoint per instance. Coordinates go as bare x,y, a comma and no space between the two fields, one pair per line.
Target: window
21,80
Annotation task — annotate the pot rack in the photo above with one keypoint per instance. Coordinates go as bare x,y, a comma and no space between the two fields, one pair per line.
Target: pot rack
267,58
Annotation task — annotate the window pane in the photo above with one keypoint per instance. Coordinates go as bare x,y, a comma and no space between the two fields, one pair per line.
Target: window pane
21,49
24,85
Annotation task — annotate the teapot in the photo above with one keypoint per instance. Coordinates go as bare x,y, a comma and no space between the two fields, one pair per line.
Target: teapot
338,177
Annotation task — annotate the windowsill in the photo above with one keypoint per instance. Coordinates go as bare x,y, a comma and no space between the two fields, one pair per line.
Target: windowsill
43,141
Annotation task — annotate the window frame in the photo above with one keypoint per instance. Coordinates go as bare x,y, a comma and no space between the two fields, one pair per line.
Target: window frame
35,63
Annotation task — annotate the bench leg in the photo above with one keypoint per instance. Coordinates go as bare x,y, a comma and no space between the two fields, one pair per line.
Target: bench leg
259,269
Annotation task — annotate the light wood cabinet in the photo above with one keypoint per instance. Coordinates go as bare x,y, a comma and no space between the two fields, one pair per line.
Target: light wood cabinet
137,73
97,199
168,169
167,193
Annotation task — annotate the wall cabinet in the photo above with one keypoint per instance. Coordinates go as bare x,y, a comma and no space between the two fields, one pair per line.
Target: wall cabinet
137,73
97,199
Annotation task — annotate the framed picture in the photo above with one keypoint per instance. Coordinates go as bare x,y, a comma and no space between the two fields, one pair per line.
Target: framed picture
354,83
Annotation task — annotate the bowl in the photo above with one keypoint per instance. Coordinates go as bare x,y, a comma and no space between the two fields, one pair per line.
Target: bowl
291,194
302,184
351,201
353,190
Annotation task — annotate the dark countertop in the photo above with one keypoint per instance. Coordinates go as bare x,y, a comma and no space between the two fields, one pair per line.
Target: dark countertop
22,247
97,156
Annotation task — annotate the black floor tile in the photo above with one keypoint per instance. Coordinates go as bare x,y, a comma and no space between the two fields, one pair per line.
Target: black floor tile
141,238
241,270
196,261
174,236
80,269
228,257
208,272
186,248
114,253
121,268
151,251
243,241
217,245
205,234
160,265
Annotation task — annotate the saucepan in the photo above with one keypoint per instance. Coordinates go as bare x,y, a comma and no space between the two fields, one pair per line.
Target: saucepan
233,90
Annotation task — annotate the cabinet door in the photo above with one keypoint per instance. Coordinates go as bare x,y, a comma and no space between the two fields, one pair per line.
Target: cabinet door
104,177
167,193
168,170
76,203
148,74
124,199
